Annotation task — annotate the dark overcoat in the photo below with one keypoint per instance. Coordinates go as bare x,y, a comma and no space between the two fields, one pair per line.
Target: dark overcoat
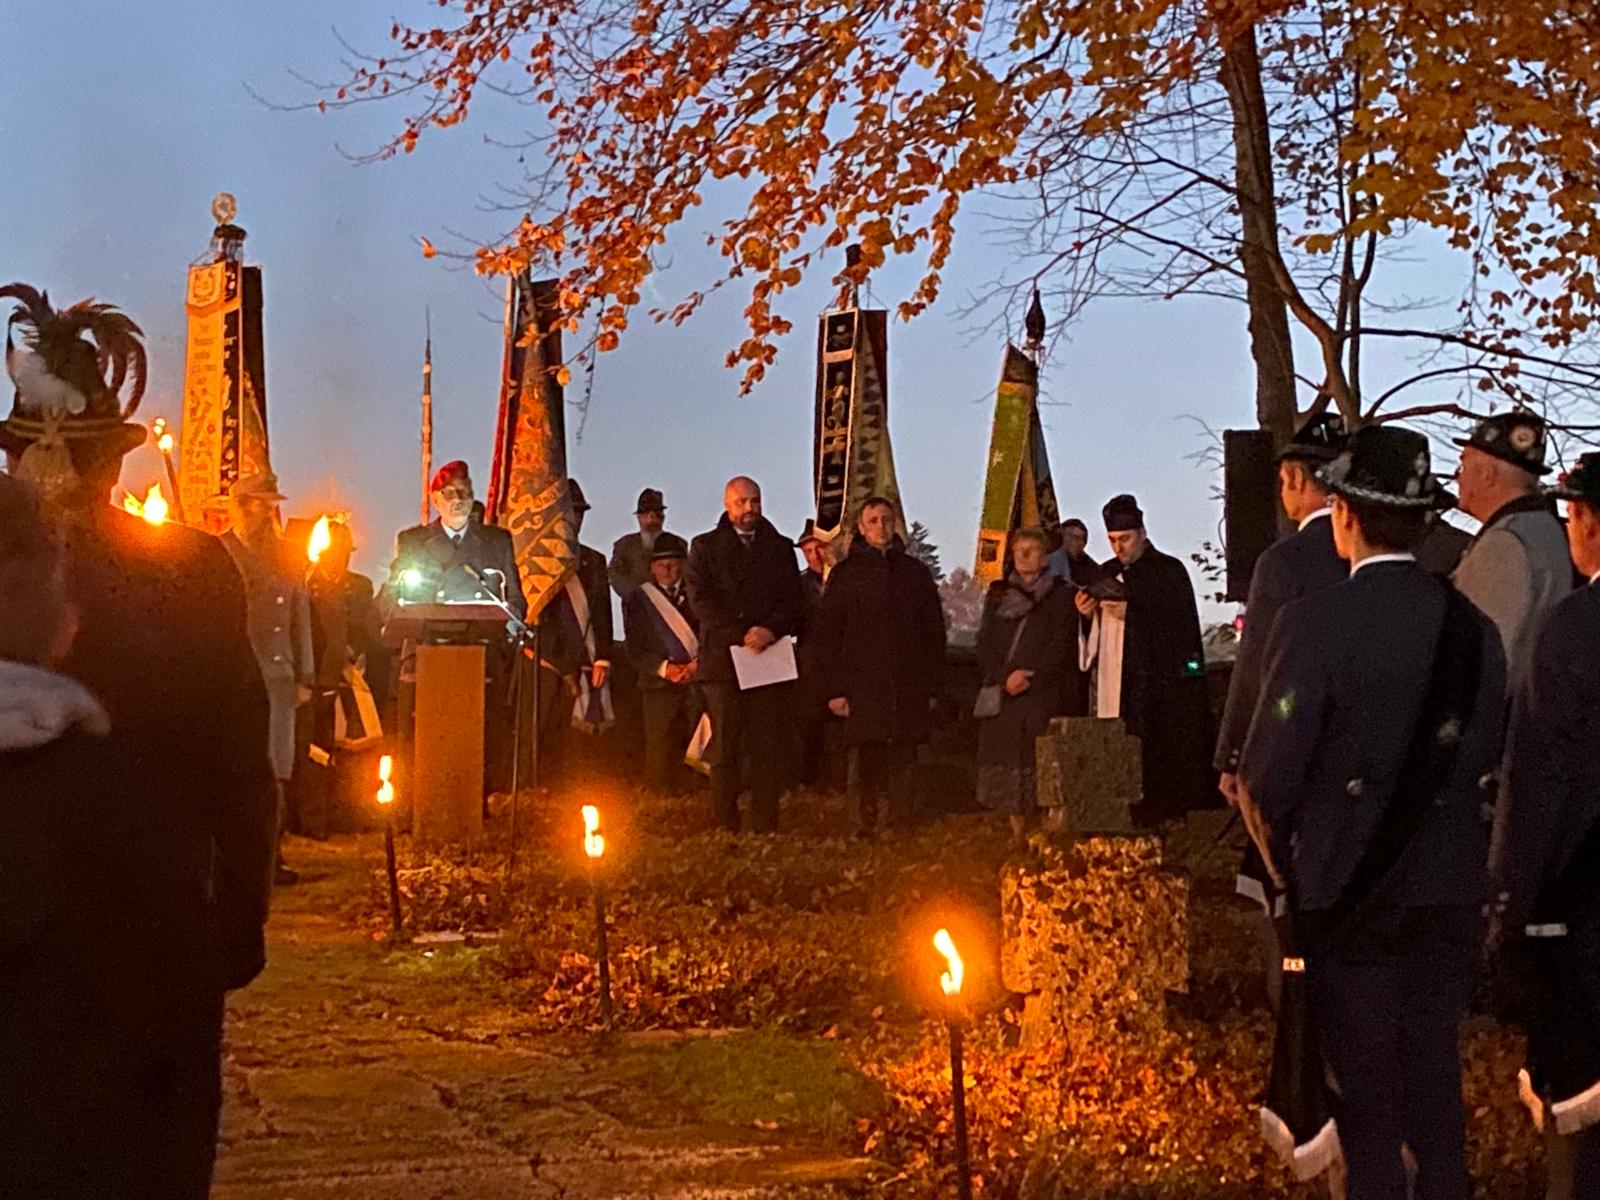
439,559
647,648
562,643
1163,684
1295,566
1048,647
1347,670
880,644
734,588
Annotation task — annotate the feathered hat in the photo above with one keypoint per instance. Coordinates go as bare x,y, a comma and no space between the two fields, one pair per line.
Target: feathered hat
70,370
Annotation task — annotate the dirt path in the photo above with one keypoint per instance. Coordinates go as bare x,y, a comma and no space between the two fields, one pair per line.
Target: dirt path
359,1071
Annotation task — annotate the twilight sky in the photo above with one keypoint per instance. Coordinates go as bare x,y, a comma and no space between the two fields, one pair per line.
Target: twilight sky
123,120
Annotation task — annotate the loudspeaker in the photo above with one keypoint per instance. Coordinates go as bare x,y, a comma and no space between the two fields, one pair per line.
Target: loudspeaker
1249,504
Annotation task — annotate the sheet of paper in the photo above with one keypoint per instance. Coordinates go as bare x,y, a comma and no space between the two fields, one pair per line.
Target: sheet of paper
773,665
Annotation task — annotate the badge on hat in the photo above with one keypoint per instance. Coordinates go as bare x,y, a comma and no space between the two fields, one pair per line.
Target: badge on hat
1320,439
1516,437
1387,466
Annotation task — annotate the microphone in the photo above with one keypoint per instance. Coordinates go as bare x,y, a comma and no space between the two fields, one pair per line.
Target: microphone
478,576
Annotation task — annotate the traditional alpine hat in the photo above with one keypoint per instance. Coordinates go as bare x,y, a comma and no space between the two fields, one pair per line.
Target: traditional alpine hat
1516,437
1580,483
1122,513
669,545
69,372
1321,439
1387,466
651,501
575,494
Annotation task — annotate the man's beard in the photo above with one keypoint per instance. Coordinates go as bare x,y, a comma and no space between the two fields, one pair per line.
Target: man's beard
648,537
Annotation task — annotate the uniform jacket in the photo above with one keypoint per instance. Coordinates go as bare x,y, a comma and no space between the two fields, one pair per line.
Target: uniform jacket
734,588
431,551
1515,570
630,564
1551,802
646,647
165,828
1049,648
880,643
279,609
1347,671
562,643
1295,566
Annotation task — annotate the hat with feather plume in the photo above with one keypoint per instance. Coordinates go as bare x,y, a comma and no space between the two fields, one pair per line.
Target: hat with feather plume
70,368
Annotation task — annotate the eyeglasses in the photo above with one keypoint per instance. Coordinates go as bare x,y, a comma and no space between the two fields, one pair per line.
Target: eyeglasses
456,493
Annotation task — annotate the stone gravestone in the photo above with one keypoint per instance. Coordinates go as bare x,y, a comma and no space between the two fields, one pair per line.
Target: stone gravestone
1095,935
1089,775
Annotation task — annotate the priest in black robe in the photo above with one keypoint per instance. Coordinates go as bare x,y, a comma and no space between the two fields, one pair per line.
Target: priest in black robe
1141,642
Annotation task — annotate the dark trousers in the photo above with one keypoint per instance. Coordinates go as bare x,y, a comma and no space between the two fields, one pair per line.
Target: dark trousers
669,714
877,778
311,791
748,750
83,1117
1389,1016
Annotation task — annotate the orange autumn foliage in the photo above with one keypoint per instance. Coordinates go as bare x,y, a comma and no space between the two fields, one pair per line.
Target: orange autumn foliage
871,122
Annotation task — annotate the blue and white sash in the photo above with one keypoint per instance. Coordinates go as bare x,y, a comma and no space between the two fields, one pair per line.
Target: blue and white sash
673,631
591,712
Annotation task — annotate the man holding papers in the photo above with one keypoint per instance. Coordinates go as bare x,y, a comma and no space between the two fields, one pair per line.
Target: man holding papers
744,587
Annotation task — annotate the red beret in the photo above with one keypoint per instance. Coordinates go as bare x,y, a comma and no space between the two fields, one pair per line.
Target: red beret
450,473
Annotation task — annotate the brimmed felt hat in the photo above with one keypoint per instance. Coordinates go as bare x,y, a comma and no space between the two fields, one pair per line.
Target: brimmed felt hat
1516,437
575,494
650,501
1320,439
669,545
1386,466
1580,483
263,485
808,534
69,371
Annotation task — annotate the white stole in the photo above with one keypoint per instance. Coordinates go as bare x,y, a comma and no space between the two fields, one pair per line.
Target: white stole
591,713
1103,642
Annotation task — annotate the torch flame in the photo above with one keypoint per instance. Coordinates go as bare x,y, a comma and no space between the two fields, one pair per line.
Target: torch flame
153,508
321,539
163,436
950,981
385,787
594,842
165,443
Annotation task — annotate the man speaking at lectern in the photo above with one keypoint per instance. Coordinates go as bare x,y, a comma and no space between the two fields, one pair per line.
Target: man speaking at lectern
449,561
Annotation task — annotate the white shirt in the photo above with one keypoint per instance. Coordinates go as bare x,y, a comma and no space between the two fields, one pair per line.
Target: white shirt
1382,558
455,535
1321,512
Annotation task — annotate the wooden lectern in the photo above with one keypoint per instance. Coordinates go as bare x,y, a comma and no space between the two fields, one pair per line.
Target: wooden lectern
447,740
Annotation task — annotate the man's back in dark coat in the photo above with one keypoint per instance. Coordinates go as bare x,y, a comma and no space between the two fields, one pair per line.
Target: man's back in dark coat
440,560
1295,566
562,641
735,588
1347,669
880,643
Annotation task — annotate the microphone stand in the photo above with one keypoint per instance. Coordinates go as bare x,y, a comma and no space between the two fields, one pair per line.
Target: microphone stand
524,641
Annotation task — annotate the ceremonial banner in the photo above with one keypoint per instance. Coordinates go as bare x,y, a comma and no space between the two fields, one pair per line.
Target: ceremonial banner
528,481
1018,492
853,458
224,387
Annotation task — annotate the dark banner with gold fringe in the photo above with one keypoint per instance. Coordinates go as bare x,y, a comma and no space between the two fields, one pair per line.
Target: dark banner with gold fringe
852,454
528,481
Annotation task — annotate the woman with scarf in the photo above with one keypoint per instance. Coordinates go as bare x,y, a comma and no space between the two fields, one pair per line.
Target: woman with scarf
1026,649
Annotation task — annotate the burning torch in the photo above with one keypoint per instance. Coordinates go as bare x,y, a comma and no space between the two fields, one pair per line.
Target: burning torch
594,845
318,545
386,802
164,443
153,508
950,982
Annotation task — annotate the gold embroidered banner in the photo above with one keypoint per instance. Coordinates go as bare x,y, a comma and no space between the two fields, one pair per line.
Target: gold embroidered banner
224,432
528,481
1018,492
853,458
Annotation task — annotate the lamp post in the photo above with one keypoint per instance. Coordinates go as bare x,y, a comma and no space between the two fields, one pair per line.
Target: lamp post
594,845
950,983
386,802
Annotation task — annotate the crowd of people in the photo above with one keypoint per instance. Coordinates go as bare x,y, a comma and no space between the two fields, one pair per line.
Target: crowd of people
1411,752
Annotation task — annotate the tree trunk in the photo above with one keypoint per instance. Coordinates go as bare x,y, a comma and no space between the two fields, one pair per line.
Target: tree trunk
1270,346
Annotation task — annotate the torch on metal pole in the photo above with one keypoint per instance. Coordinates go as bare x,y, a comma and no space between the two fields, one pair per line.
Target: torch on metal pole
594,845
950,982
386,801
165,444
